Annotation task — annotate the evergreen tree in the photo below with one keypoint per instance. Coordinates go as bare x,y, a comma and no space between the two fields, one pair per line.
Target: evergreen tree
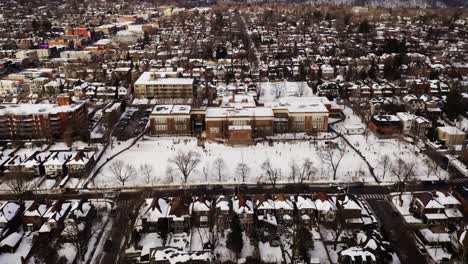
304,242
454,106
234,239
364,26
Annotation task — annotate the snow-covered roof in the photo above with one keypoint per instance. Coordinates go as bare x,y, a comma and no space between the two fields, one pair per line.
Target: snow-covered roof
8,211
218,112
304,203
177,256
432,237
156,208
311,104
222,203
171,109
150,78
200,205
242,205
358,252
12,240
36,109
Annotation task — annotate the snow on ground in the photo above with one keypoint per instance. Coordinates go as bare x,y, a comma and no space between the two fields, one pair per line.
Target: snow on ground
319,251
463,124
270,254
157,151
403,206
68,250
103,224
149,241
224,254
439,254
374,149
22,251
180,241
269,90
200,237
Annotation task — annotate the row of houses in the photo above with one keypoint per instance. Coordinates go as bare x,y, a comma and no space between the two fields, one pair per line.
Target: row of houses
52,163
178,214
45,220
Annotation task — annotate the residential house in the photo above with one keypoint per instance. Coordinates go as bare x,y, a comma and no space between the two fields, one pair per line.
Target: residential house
284,208
243,206
55,164
34,214
11,243
385,124
80,164
222,212
424,206
305,209
413,104
201,212
10,212
326,208
451,204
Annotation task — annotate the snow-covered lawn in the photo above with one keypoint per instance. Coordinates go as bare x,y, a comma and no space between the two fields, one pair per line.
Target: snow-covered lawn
403,206
319,251
22,250
374,149
224,254
156,152
269,90
270,254
68,251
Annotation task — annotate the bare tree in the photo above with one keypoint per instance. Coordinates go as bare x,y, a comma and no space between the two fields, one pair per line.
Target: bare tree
186,163
243,170
300,172
293,171
78,237
121,172
170,173
432,167
147,171
273,174
332,156
404,171
301,88
205,172
278,90
219,166
384,164
19,183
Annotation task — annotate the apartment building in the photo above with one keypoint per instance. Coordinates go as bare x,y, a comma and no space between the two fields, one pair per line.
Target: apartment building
163,85
37,121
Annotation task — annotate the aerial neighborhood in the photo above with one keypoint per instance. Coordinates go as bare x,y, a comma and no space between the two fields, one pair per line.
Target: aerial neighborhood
233,131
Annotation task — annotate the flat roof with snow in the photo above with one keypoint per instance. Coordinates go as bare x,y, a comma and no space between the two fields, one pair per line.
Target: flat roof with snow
36,109
150,78
217,112
171,109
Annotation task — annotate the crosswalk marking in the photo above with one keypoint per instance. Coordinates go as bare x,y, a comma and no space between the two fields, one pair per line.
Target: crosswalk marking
374,196
459,180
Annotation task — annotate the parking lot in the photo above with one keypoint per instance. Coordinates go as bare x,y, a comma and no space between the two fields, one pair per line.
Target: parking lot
131,124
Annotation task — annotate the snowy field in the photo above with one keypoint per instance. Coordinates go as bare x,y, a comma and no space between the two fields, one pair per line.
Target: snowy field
157,152
374,149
